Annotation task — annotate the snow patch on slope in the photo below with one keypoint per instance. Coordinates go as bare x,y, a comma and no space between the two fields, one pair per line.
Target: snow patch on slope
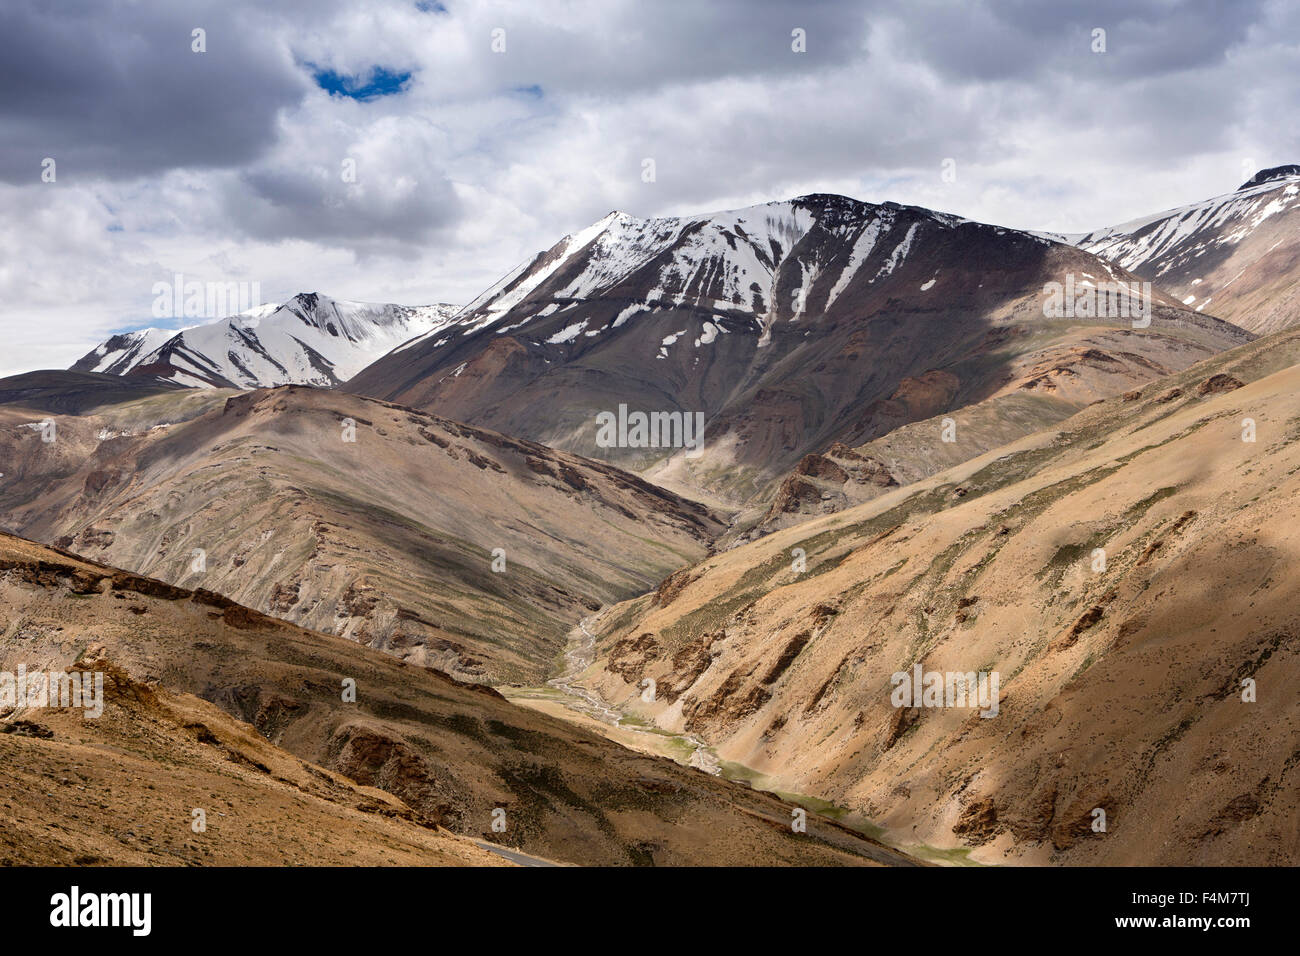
567,334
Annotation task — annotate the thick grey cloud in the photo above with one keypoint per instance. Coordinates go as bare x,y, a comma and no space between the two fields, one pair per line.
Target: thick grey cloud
624,47
114,89
377,185
988,40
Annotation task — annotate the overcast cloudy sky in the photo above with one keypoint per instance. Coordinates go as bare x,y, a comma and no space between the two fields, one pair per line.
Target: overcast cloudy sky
228,164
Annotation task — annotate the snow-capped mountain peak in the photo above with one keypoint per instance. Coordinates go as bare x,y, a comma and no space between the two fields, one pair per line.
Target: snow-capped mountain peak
730,262
1289,171
119,353
1231,255
788,326
309,340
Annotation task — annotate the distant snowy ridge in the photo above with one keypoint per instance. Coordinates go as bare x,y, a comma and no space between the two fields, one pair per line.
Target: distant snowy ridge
309,340
1176,236
120,353
1233,256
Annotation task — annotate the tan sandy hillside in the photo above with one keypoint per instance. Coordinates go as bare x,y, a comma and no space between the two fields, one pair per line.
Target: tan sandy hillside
451,752
388,540
121,790
1121,688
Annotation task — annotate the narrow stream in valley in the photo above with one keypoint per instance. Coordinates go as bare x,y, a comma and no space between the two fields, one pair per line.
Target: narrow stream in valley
577,658
579,655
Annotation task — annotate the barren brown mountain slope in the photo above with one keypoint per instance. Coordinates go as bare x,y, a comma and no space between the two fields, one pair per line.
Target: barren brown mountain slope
122,790
451,752
788,326
1043,386
1121,674
76,393
390,540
